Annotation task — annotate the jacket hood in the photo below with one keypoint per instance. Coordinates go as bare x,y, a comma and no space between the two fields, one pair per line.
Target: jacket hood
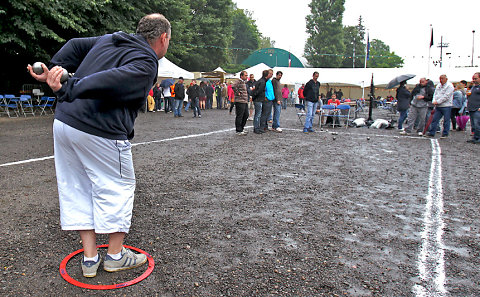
122,39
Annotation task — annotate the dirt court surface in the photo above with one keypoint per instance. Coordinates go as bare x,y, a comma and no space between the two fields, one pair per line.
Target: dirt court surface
278,214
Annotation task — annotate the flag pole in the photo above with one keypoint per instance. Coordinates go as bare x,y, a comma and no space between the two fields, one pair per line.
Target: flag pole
367,53
429,50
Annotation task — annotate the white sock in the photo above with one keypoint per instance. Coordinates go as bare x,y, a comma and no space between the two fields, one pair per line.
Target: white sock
116,256
94,259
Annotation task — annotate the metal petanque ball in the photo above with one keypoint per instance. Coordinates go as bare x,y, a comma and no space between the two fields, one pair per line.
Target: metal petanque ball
37,68
64,77
368,138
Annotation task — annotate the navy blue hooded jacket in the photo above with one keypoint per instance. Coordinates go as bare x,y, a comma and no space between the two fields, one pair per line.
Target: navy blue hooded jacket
113,75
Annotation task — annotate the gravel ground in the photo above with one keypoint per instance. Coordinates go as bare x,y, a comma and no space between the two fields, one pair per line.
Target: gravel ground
279,214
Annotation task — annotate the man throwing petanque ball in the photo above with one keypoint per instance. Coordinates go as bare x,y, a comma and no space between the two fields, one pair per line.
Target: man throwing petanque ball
94,120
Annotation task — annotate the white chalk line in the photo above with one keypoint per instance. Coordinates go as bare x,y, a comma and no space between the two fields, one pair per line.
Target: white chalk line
134,144
204,134
431,262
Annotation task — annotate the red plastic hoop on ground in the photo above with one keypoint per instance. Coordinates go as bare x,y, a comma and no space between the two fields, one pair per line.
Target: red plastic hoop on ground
68,278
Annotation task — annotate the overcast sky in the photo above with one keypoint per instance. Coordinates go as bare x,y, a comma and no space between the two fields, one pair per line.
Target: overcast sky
405,27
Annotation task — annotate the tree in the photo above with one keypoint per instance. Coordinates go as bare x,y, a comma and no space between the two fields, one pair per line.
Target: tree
35,30
245,36
212,23
266,42
324,45
381,57
353,38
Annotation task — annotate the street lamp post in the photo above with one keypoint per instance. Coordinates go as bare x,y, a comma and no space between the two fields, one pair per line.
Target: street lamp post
473,44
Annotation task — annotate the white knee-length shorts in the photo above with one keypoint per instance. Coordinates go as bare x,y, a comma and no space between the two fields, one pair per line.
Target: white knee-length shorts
96,180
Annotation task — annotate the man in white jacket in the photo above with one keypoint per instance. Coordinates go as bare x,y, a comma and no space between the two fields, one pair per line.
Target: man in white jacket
442,100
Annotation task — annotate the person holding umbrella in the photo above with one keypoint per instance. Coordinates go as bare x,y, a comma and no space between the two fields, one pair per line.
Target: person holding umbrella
403,103
421,94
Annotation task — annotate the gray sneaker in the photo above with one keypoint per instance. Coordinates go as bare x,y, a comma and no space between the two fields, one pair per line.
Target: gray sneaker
128,260
89,268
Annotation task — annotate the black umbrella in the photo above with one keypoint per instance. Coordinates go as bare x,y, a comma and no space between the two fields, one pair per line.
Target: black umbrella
203,79
166,83
397,80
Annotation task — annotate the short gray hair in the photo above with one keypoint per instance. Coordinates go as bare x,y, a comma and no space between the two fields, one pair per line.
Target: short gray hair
152,26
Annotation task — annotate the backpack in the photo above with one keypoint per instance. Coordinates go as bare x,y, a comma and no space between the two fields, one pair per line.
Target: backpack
172,90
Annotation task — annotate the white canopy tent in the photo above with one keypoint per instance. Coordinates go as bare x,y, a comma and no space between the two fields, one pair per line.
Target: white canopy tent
361,77
356,81
169,70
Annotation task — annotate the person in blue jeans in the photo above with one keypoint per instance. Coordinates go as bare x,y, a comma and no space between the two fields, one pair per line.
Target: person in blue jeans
277,102
473,107
179,96
442,100
311,93
258,96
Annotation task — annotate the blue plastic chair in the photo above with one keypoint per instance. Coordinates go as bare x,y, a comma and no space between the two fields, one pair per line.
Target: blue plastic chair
12,103
344,113
26,105
326,111
46,103
300,108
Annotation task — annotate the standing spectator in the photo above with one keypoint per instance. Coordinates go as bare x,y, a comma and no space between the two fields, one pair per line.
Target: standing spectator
179,96
301,96
250,84
225,95
218,91
167,94
157,96
267,104
473,107
150,101
292,97
312,95
421,94
231,97
458,100
202,95
94,121
241,103
277,102
339,94
330,93
258,97
210,90
187,102
442,100
193,97
403,103
285,95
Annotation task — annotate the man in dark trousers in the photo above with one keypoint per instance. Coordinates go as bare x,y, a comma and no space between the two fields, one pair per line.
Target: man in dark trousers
251,106
193,93
157,96
94,121
179,90
312,95
209,91
258,96
241,103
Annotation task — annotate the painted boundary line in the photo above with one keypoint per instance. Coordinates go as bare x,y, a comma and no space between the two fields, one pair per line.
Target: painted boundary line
431,263
204,134
134,144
